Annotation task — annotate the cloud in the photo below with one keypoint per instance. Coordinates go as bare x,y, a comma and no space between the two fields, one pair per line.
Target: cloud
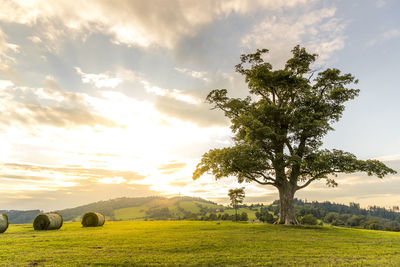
99,80
112,180
195,74
190,105
22,177
317,30
385,36
4,84
380,3
390,159
172,167
199,114
68,197
179,183
35,39
77,175
176,94
6,60
184,105
181,104
391,34
139,23
50,105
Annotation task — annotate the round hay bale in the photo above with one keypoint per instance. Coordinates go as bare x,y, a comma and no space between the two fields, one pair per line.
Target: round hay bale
3,222
48,221
91,219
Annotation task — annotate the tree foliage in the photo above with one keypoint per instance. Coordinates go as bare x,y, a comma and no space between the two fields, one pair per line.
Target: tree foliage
278,129
236,196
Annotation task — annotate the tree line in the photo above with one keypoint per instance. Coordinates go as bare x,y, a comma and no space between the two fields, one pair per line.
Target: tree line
373,217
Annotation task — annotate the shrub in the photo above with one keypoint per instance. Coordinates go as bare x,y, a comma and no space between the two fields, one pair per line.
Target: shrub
265,216
309,219
243,217
331,217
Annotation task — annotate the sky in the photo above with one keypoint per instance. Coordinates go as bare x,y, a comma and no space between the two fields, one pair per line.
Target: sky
106,99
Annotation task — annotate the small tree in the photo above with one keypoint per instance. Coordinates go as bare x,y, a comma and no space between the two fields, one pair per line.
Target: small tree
279,130
244,217
236,196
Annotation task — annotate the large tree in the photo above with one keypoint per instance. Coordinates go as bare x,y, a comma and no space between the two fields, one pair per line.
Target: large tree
279,128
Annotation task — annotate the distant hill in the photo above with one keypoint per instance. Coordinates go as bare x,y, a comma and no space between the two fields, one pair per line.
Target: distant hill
106,207
142,208
152,208
21,216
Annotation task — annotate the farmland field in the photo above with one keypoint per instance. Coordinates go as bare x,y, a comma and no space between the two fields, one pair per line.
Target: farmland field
197,243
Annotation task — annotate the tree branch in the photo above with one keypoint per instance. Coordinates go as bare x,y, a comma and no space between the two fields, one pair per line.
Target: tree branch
263,95
252,178
317,176
307,183
266,177
289,146
302,145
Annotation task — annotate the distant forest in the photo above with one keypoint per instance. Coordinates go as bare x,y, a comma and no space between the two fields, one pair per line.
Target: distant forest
21,216
373,217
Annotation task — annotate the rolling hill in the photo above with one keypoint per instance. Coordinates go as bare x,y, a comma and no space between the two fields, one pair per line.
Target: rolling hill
140,208
154,208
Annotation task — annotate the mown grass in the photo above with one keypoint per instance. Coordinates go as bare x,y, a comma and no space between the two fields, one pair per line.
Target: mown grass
190,243
189,206
130,213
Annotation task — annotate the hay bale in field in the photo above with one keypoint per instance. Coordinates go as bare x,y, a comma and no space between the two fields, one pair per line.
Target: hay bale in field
48,221
93,219
3,222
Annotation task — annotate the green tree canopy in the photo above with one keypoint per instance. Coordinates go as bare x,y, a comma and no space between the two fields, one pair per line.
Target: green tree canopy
236,196
278,129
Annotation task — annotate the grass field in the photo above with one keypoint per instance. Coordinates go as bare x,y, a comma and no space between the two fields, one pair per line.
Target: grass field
130,213
188,243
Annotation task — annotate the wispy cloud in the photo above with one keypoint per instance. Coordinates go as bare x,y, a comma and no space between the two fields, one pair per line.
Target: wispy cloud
6,51
380,3
25,171
35,39
172,167
385,36
195,74
391,34
50,105
99,80
318,30
199,114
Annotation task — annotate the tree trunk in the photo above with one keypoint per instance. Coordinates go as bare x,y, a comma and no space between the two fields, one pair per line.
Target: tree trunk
287,213
236,214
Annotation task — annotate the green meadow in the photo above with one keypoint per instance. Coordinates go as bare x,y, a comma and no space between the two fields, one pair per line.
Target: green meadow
193,243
